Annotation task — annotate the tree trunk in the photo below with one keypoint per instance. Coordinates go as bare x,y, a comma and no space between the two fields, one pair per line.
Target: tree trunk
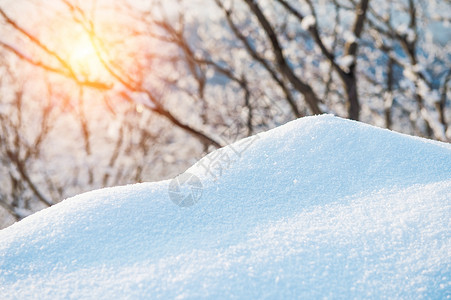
352,104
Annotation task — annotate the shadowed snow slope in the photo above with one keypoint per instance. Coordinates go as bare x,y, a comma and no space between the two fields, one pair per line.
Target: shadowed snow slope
319,207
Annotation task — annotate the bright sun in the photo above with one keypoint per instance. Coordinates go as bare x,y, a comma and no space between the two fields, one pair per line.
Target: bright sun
83,58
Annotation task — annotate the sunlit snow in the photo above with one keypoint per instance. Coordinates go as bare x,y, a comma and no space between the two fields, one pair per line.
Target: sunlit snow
319,207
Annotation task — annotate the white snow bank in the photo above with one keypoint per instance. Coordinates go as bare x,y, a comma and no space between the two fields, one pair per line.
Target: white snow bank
319,207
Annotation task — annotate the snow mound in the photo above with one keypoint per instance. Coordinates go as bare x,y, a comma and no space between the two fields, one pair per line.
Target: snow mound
319,207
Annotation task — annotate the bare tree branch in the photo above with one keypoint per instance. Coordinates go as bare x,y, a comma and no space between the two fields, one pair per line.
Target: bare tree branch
305,89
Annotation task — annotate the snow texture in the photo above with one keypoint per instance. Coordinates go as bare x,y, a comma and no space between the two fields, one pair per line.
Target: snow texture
321,207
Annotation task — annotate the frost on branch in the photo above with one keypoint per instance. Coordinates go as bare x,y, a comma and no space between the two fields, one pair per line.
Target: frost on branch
308,22
345,62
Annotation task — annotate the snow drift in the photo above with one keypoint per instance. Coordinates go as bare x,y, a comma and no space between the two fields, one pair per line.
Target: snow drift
319,207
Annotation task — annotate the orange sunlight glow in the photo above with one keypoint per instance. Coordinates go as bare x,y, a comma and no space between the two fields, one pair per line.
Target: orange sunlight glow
83,58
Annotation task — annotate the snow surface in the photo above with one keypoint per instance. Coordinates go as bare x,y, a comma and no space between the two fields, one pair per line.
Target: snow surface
320,207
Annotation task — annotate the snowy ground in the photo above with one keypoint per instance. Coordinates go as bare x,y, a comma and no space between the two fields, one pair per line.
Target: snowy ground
319,207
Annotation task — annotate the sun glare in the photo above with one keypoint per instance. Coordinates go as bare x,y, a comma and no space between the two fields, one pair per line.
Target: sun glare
83,58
